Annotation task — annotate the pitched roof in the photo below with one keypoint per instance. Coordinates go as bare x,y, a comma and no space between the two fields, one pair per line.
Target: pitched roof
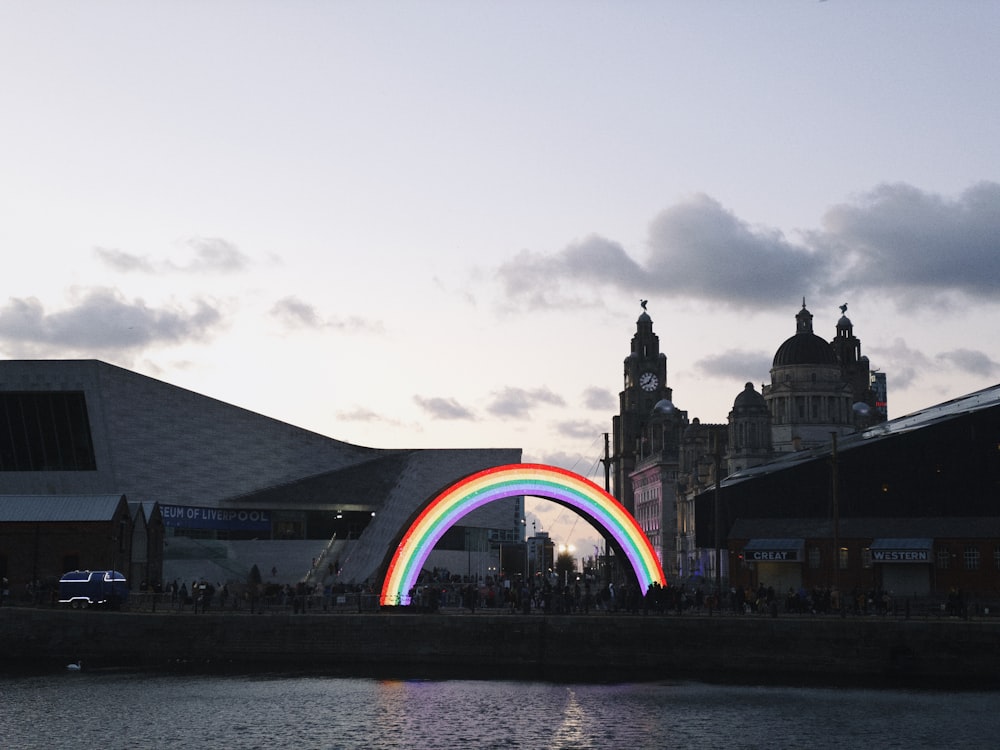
48,508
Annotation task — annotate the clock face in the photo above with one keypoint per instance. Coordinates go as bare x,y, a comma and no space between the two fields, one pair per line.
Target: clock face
648,381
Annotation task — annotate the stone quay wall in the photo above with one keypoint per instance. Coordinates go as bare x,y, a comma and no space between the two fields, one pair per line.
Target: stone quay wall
950,653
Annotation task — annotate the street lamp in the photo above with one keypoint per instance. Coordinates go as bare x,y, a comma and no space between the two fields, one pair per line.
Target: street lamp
567,549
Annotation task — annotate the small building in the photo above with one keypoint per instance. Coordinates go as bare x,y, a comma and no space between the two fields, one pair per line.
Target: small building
43,536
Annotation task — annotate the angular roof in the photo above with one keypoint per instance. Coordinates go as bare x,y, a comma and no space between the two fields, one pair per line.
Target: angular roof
986,398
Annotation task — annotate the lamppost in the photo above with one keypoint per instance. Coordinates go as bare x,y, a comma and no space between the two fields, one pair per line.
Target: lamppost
567,549
524,523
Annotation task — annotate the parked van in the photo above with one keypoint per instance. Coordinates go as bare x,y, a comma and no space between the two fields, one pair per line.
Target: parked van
85,588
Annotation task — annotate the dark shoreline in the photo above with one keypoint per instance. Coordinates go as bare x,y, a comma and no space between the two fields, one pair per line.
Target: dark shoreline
865,652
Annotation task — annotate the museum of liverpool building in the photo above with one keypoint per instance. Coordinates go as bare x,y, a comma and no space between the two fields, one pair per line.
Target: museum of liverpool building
104,468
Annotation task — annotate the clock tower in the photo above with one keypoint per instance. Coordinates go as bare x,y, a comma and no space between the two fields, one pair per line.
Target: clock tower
645,385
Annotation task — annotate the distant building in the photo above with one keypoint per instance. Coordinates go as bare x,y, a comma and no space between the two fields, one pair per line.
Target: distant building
662,462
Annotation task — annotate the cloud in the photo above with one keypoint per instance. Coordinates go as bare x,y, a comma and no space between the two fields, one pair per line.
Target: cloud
537,282
294,313
444,408
905,242
700,249
101,320
363,414
581,429
736,363
970,361
599,399
517,403
124,262
910,242
903,363
359,414
697,249
210,255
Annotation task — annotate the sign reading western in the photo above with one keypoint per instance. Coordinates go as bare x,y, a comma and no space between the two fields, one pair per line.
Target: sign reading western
901,555
220,519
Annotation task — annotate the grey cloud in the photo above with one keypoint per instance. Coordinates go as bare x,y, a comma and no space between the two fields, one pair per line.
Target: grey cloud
580,429
599,398
101,320
443,408
737,363
211,254
971,361
359,414
699,249
907,241
896,239
901,362
362,414
537,281
518,402
295,313
122,261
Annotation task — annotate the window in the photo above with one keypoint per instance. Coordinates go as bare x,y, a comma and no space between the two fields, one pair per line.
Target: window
45,431
814,558
842,558
943,556
972,558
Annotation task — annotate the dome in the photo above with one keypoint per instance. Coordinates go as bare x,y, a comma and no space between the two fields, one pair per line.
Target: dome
749,398
663,407
805,349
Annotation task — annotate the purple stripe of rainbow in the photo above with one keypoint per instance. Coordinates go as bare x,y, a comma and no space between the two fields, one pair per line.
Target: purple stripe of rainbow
511,481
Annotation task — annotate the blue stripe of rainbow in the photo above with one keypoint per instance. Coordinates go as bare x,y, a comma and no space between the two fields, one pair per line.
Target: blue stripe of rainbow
513,480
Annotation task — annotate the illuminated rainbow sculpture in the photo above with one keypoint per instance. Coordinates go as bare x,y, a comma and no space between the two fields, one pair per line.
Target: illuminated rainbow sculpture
514,480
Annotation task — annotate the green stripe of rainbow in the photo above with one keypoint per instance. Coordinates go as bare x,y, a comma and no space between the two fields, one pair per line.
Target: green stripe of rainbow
513,480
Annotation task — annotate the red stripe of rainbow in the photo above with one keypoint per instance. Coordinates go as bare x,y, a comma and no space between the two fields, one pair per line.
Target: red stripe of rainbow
513,480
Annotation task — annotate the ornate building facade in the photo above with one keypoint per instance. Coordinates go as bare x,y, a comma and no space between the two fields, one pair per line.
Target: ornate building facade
662,462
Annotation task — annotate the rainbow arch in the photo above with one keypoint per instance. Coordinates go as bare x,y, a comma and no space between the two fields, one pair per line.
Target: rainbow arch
513,480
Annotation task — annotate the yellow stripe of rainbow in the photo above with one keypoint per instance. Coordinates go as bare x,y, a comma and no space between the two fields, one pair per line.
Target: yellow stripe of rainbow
513,480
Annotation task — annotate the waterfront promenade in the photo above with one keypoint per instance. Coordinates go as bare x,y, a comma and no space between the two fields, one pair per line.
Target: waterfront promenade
869,650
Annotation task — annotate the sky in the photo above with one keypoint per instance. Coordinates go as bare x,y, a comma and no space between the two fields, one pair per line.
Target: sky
430,224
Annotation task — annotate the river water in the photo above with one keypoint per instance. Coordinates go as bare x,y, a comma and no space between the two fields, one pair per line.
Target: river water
131,711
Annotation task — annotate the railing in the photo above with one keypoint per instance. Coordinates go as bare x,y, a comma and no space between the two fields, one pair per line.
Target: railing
245,604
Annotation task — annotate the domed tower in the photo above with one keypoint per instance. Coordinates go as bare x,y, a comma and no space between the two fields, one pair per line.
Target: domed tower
749,430
857,372
809,397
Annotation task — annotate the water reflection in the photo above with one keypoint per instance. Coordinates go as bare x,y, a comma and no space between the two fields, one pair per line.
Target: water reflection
116,710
